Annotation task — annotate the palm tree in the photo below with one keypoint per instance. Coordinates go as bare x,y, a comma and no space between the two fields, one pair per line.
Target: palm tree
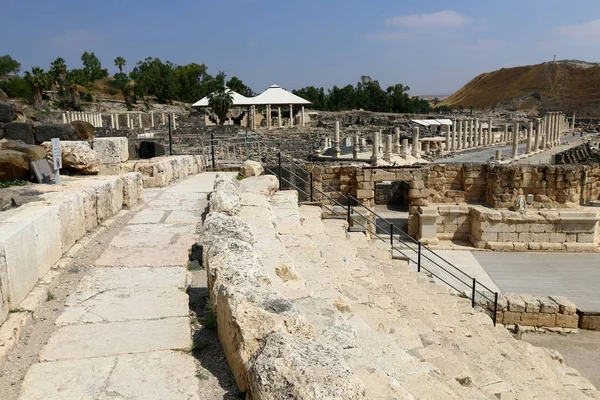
220,101
120,62
58,71
37,80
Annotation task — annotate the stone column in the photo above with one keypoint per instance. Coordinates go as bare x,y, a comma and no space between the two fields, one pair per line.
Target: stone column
375,153
459,144
573,122
64,118
355,147
152,120
416,151
279,116
447,128
396,140
173,119
426,147
498,156
163,119
112,121
363,143
536,143
472,133
336,140
453,143
505,135
468,131
117,121
515,146
483,136
291,115
529,133
404,149
128,121
302,116
387,155
140,119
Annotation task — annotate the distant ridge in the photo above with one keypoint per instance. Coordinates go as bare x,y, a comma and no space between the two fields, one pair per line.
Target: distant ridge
566,85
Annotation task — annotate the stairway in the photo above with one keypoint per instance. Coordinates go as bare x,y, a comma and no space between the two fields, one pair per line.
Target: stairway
401,333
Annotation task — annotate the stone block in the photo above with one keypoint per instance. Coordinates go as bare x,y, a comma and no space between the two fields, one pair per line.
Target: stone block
365,194
550,246
518,246
71,216
586,237
529,319
511,318
46,132
109,197
8,111
532,305
112,150
515,302
547,320
133,189
580,247
547,305
500,246
567,321
19,131
508,237
565,306
589,321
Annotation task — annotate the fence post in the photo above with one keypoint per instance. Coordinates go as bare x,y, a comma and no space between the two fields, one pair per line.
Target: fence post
391,237
419,259
312,197
279,170
495,308
473,293
212,149
348,218
170,137
246,143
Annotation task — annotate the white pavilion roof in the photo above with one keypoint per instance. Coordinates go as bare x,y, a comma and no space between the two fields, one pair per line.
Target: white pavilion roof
274,95
277,95
238,100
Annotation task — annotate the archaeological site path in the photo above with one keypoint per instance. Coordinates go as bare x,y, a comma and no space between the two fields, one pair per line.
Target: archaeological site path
125,330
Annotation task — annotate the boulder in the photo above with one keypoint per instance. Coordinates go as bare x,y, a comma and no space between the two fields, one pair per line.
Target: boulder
149,149
34,152
77,157
84,130
112,150
3,96
46,132
13,165
19,131
8,111
251,168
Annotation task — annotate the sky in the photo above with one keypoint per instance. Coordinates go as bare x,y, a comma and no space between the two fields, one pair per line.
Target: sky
433,46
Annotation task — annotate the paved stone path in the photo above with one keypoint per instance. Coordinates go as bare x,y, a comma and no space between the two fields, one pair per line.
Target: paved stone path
576,276
125,332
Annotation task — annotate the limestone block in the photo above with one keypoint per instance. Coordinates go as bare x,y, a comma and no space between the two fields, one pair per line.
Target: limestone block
109,196
547,305
90,201
591,322
264,184
565,306
318,371
529,319
515,302
111,150
511,318
532,305
586,238
518,246
109,169
508,237
580,247
219,224
71,215
500,246
133,189
551,246
365,194
77,157
251,168
567,321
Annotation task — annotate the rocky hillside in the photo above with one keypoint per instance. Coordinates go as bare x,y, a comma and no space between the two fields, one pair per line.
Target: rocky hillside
569,86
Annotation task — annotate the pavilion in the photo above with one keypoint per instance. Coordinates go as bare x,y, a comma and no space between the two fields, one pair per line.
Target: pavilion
274,96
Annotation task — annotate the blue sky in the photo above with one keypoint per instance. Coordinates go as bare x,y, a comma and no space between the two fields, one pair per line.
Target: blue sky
432,46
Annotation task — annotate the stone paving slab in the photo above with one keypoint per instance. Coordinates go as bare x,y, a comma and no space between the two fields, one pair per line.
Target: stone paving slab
154,375
113,338
148,216
148,235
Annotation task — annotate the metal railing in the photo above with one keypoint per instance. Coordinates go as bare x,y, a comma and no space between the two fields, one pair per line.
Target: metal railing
292,174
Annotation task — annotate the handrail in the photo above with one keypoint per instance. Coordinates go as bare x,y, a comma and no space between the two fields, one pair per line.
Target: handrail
426,259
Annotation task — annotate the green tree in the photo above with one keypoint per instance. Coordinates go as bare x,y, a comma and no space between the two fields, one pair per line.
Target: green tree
237,85
191,81
120,63
220,101
37,80
153,77
16,87
58,72
9,65
92,67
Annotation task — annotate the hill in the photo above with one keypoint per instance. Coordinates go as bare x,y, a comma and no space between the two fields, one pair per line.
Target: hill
568,85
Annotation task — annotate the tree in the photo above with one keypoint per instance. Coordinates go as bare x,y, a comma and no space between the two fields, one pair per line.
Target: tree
191,81
120,62
220,101
153,77
9,65
58,71
37,80
92,67
237,85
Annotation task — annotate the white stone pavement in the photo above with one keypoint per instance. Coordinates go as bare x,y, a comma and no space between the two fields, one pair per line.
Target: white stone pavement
125,332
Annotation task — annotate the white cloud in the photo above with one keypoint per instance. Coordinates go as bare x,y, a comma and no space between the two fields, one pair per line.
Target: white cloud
387,36
486,44
441,19
587,31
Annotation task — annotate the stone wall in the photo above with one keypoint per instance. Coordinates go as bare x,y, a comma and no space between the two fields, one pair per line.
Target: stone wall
576,155
548,312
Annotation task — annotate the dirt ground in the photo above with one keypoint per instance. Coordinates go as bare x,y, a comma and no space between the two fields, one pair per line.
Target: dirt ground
580,350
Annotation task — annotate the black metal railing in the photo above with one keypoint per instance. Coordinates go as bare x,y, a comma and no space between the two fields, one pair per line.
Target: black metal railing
292,174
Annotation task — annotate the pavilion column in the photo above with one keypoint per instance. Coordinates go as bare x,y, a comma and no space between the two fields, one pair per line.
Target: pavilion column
291,116
302,116
515,145
453,143
447,129
336,140
416,152
375,153
536,143
387,155
279,116
396,140
269,121
253,116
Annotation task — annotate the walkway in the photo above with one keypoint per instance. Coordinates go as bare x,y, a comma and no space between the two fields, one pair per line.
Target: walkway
576,276
125,332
